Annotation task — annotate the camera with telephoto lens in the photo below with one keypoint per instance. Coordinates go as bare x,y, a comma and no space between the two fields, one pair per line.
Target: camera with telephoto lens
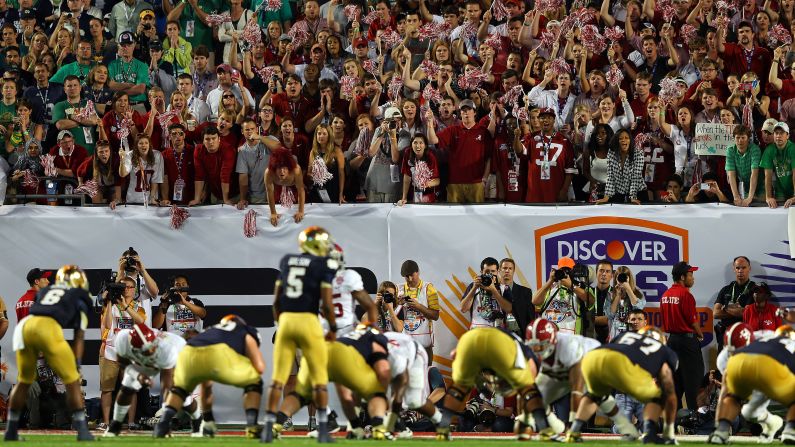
172,297
562,273
130,264
387,298
112,290
486,279
622,278
393,124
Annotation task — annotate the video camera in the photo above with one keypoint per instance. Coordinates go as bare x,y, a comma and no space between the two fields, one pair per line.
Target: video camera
171,295
112,290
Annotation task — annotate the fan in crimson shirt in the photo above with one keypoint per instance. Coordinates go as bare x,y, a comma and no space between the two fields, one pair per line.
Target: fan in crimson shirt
68,155
743,56
178,163
506,163
103,168
213,169
550,161
762,315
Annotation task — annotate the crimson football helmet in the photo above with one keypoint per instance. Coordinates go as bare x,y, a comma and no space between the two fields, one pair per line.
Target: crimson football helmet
143,339
739,335
337,254
541,336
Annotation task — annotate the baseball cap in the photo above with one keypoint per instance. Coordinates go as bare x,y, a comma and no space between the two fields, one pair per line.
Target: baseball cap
392,113
680,80
285,38
565,262
37,273
126,38
515,2
769,125
155,45
226,68
360,42
545,111
63,134
466,103
146,12
649,25
27,14
782,125
681,268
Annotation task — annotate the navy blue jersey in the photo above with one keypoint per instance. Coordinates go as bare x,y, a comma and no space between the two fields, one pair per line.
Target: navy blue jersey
230,333
779,349
363,342
301,277
644,351
526,351
68,306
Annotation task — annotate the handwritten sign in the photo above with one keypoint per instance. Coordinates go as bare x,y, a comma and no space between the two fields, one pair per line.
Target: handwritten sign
713,138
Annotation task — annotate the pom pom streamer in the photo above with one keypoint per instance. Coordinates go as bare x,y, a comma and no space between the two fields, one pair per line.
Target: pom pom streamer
371,66
351,12
319,172
86,112
511,97
299,33
422,175
495,42
641,139
560,66
614,34
252,33
778,35
469,31
30,180
592,40
688,32
546,5
669,90
165,118
347,84
431,94
395,87
90,188
178,217
390,39
48,162
614,76
266,73
498,10
371,17
430,68
363,142
272,5
287,198
250,224
472,79
433,31
218,19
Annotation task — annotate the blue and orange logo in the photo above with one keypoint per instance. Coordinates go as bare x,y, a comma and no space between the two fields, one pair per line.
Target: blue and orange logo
648,248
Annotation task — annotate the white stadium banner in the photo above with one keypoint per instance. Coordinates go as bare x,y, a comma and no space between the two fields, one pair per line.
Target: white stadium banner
232,273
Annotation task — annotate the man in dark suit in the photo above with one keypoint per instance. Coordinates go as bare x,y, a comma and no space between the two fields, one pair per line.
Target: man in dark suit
521,297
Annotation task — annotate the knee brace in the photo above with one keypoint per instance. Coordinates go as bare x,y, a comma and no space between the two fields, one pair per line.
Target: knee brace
179,392
254,387
529,393
606,405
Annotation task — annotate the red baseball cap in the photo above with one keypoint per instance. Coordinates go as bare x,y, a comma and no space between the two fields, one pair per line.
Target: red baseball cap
360,42
546,111
37,273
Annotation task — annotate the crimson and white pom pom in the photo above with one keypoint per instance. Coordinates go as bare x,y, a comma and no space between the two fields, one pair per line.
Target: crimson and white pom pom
371,66
319,172
641,139
48,162
29,179
287,198
511,97
748,116
521,113
614,34
668,13
546,5
726,6
273,5
422,175
778,35
592,40
495,42
362,147
90,188
390,39
371,17
688,32
266,73
252,33
165,118
430,68
560,66
548,39
395,87
434,31
218,19
299,32
469,31
178,217
499,11
351,12
614,76
250,224
86,112
431,94
471,79
347,84
669,91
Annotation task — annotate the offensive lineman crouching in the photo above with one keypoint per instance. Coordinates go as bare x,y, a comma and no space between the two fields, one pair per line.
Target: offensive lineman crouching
226,353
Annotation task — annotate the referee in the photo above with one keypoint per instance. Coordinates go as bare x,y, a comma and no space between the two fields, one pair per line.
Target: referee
681,321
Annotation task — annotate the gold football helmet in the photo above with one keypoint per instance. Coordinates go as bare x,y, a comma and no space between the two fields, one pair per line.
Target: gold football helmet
785,331
653,332
315,241
72,276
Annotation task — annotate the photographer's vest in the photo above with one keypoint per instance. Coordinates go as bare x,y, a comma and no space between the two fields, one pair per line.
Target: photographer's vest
414,322
120,320
484,306
180,319
560,308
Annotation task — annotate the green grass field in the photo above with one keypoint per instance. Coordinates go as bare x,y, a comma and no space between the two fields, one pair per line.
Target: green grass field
233,441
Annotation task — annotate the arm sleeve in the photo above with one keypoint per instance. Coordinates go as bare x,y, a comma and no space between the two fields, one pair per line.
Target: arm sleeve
730,153
199,173
227,164
433,298
766,162
756,156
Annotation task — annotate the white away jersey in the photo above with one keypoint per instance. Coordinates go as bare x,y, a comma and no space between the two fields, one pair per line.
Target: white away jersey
402,352
165,356
723,356
569,350
344,285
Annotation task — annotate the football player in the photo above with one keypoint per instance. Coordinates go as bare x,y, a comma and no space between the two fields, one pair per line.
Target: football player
347,290
358,364
226,353
408,363
640,365
305,281
767,366
148,352
561,356
504,356
739,335
64,305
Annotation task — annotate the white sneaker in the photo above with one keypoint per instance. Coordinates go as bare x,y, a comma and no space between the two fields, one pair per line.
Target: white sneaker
718,437
770,427
405,434
208,429
788,437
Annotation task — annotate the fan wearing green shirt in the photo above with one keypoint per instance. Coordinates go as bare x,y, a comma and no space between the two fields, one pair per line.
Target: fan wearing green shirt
778,161
65,115
8,110
80,68
128,74
742,166
192,16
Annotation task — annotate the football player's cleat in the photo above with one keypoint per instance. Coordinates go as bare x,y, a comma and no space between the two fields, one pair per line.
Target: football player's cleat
522,430
405,434
312,424
788,437
356,433
442,434
380,433
208,428
718,437
253,432
572,437
770,427
288,424
546,434
325,438
12,436
114,429
654,439
159,432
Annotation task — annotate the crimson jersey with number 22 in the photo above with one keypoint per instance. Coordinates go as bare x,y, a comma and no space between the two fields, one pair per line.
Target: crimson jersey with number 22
301,277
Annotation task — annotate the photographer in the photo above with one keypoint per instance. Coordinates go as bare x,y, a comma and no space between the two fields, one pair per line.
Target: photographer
383,177
178,313
388,319
562,300
130,266
419,303
483,300
119,313
625,297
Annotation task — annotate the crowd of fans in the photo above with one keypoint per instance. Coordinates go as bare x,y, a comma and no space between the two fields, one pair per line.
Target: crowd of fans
398,102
